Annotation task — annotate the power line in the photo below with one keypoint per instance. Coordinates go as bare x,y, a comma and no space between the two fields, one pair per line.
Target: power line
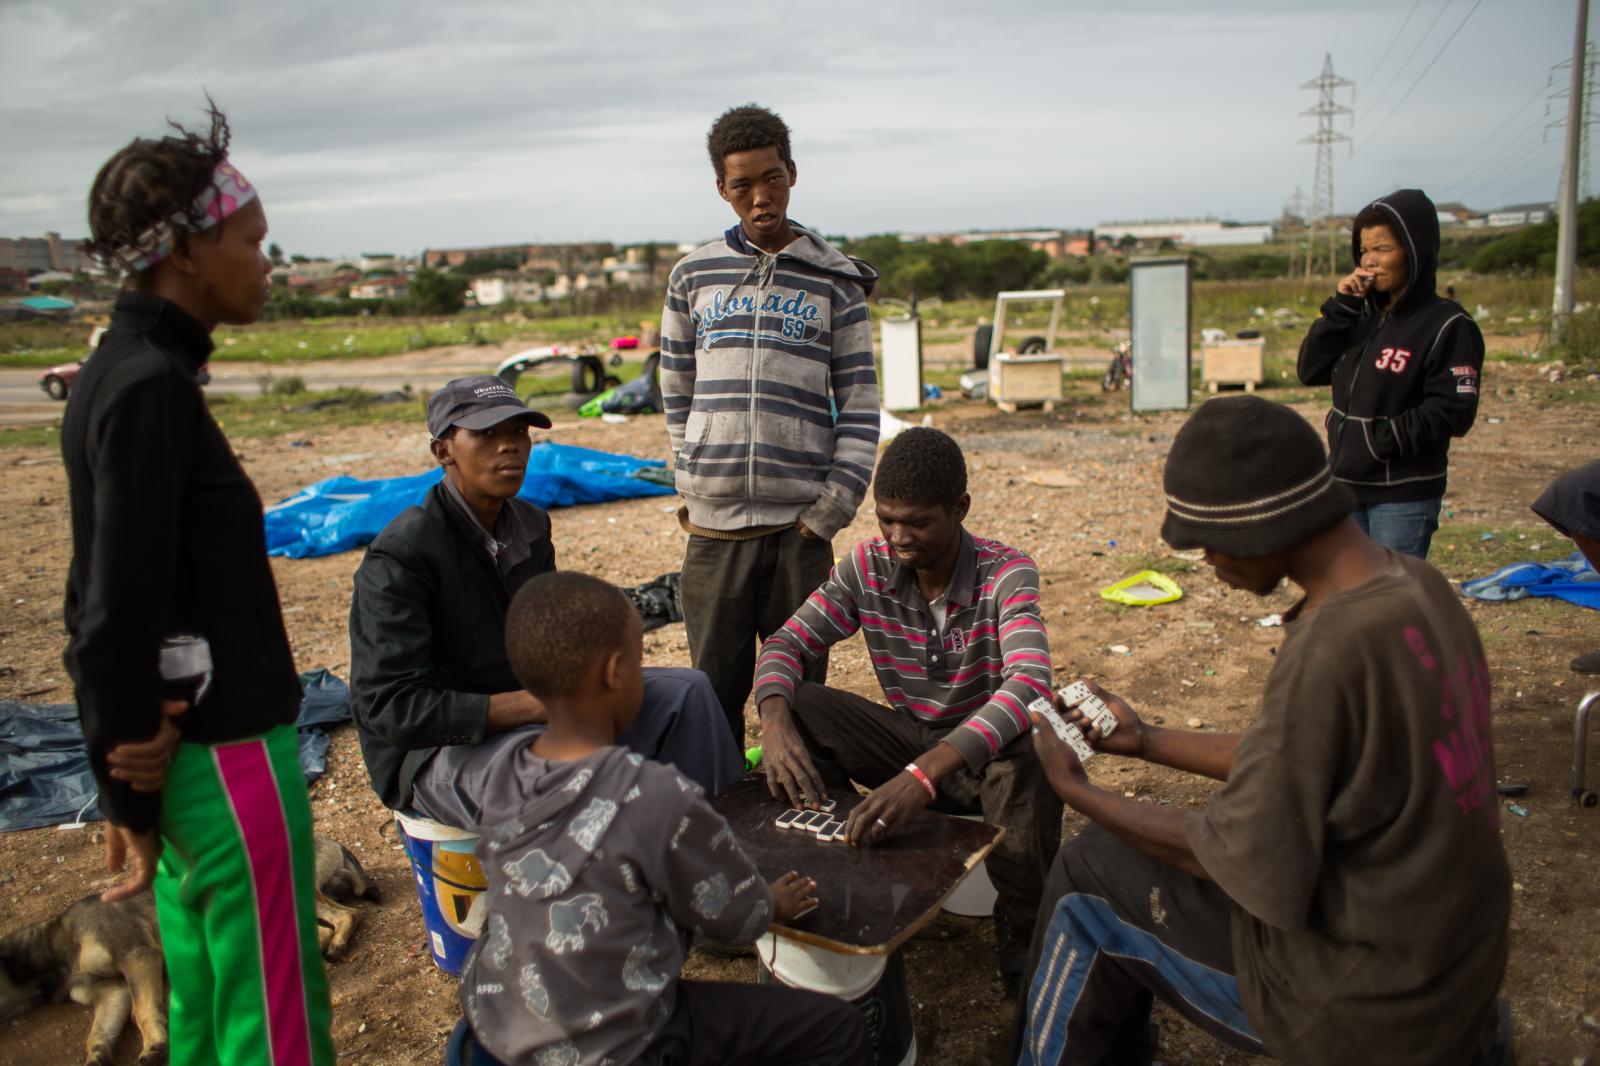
1500,155
1459,27
1402,67
1510,164
1484,142
1392,42
1505,172
1546,176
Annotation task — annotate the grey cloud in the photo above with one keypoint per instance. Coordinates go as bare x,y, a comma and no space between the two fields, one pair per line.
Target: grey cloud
479,121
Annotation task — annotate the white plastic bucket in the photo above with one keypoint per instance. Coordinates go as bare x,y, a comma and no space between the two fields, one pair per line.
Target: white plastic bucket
874,984
975,896
450,886
804,966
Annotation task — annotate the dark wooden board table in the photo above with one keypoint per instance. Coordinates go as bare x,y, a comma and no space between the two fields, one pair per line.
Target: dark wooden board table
874,898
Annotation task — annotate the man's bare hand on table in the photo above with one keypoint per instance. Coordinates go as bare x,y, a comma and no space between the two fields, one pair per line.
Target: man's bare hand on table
892,804
790,773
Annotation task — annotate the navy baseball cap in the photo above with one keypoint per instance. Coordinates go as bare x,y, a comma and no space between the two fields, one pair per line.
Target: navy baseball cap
478,403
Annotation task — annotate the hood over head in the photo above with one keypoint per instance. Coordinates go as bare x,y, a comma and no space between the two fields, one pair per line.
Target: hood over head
1415,221
814,252
555,820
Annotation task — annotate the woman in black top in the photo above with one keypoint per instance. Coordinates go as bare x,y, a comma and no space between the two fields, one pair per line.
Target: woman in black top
169,578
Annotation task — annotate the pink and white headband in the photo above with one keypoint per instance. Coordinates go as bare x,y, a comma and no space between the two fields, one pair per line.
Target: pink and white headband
227,193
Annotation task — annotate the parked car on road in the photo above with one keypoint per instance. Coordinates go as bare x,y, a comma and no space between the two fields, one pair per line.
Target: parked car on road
57,381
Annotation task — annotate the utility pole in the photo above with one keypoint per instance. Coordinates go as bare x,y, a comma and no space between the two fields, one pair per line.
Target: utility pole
1326,110
1567,236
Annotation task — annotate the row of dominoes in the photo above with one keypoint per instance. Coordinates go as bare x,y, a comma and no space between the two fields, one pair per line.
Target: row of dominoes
1079,695
823,824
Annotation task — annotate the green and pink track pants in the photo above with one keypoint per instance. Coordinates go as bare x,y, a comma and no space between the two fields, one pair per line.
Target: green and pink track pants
235,892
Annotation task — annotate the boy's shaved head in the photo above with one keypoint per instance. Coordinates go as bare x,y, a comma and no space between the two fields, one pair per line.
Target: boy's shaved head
560,625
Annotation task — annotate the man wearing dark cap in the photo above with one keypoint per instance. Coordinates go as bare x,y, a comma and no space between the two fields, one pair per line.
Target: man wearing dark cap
432,688
1344,896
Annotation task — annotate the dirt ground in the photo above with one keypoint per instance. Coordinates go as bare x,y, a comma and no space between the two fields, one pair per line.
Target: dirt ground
1079,488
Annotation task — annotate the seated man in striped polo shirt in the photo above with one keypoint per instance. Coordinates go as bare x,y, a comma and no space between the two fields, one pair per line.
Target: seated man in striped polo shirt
953,628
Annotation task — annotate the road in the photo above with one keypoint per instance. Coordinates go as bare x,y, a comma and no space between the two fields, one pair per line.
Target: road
23,403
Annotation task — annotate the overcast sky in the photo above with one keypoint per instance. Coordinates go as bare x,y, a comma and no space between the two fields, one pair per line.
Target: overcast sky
402,124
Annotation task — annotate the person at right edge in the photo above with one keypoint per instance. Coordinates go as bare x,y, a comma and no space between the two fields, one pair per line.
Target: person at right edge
1404,364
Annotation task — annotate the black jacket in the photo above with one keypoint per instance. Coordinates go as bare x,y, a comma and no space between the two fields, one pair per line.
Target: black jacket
1405,378
427,637
167,538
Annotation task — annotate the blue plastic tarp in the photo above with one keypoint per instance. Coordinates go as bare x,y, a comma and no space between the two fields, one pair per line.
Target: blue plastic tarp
344,512
1571,579
44,766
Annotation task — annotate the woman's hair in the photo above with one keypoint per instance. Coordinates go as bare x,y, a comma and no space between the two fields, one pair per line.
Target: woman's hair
152,182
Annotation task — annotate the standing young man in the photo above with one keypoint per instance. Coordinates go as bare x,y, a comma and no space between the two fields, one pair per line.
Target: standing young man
1404,365
772,407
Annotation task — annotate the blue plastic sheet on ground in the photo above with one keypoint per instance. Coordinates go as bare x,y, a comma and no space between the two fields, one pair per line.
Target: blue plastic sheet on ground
1571,579
344,512
44,767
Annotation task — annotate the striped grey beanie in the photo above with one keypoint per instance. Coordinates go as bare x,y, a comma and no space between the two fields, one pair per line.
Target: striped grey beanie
1248,477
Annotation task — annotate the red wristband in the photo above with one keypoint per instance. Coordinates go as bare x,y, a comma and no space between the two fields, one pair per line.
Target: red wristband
916,771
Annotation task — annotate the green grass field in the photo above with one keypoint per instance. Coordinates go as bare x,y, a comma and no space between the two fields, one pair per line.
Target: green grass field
1281,309
33,344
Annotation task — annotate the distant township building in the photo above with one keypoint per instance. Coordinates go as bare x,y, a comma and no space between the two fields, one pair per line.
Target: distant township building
535,258
32,255
1521,215
1056,243
392,288
491,289
1196,233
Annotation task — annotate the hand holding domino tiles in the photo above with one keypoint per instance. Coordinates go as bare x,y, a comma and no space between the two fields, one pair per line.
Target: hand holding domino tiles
1106,720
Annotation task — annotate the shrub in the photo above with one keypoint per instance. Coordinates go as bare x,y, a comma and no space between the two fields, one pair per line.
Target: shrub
288,385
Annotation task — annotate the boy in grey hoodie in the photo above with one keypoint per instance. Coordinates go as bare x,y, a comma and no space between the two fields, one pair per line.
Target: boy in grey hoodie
771,399
599,862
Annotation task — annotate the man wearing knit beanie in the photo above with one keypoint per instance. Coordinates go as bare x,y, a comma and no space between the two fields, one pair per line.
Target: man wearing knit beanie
1344,896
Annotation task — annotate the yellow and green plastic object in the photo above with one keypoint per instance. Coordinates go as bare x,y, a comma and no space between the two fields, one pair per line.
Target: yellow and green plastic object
1144,589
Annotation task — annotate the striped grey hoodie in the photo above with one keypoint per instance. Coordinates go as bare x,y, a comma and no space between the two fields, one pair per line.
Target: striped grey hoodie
753,345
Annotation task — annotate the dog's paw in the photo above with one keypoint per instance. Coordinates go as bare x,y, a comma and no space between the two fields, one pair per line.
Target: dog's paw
99,1058
155,1055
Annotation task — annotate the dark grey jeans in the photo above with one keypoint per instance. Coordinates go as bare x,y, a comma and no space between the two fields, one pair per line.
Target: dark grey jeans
737,593
679,723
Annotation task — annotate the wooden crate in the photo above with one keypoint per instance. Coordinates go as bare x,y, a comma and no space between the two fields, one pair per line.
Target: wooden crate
1024,379
1234,363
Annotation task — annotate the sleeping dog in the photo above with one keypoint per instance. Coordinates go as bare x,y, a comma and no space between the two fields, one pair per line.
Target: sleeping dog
108,956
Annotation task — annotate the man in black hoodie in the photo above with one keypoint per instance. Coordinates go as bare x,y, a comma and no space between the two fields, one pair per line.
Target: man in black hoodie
1404,364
